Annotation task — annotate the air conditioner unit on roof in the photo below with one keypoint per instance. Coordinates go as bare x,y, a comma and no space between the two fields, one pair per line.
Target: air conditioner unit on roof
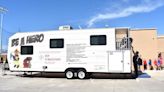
66,27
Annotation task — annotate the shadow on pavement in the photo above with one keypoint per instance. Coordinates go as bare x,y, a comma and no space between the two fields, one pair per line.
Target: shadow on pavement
144,75
43,75
116,76
93,76
112,76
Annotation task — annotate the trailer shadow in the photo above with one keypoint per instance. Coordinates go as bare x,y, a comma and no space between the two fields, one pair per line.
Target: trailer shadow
112,76
93,76
119,76
43,75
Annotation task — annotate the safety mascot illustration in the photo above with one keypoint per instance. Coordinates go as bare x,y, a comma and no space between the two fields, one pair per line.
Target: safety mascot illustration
26,62
16,59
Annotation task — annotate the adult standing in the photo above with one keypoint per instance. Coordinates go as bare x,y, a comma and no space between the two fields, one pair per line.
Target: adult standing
135,63
135,58
3,66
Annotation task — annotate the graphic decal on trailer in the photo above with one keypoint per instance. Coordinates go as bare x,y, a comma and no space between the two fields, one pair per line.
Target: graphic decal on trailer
16,58
27,63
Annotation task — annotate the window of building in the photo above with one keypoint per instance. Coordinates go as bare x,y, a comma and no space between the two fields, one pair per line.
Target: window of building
26,50
56,43
98,40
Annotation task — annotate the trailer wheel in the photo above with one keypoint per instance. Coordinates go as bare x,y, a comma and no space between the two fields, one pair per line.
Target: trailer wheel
69,74
81,74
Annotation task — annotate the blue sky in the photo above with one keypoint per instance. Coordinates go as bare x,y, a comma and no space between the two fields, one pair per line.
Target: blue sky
41,15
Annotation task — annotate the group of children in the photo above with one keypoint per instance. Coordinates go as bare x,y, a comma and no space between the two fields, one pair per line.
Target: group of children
157,64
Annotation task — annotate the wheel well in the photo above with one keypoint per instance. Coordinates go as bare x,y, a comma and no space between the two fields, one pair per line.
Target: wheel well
76,69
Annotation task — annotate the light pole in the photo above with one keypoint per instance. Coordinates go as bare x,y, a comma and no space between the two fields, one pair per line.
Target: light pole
2,11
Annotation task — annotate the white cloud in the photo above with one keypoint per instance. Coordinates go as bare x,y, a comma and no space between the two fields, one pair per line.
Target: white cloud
142,7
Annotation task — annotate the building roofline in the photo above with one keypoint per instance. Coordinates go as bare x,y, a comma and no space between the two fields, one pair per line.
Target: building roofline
141,29
160,36
122,27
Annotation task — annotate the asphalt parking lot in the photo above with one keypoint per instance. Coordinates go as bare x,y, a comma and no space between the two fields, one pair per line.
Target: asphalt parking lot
149,81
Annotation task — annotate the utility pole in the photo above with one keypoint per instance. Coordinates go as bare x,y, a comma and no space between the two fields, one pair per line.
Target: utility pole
2,11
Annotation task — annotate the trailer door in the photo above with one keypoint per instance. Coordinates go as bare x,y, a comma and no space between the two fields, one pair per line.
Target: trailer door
115,61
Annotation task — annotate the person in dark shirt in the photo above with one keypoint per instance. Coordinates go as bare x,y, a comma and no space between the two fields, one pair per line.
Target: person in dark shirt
135,58
135,63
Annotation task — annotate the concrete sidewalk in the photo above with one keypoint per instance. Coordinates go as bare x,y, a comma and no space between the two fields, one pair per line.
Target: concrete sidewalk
148,81
154,73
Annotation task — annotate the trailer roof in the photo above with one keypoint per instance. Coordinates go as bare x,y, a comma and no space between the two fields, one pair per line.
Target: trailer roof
74,29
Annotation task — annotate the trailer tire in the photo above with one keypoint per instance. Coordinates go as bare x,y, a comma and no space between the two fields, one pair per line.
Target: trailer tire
69,74
81,74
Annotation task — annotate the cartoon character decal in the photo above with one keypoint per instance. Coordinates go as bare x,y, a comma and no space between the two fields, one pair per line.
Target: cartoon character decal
16,58
27,63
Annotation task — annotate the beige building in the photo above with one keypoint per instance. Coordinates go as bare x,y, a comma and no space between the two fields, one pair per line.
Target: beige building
147,43
160,45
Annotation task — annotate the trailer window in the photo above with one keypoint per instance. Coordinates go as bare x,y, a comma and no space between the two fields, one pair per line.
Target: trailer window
56,43
98,40
26,50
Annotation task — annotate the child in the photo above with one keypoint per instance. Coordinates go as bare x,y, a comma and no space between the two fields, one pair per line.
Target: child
150,65
159,65
155,64
145,65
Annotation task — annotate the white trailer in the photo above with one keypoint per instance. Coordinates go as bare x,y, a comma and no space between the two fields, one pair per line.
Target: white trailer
74,52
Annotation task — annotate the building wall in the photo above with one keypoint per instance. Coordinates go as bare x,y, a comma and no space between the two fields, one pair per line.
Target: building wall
145,41
160,43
